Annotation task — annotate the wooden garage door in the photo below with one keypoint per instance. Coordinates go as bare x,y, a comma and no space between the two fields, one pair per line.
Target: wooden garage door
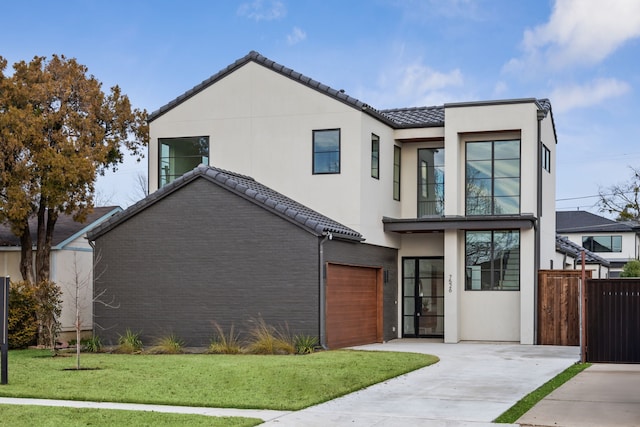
354,305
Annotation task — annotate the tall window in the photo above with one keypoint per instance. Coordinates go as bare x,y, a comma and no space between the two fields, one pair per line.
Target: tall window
602,243
326,151
375,156
492,260
546,158
396,172
430,181
180,155
493,177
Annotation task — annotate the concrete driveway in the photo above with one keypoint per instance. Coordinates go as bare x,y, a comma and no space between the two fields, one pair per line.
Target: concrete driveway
471,385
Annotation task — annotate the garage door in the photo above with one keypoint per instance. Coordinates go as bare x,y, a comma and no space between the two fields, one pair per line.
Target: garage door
354,305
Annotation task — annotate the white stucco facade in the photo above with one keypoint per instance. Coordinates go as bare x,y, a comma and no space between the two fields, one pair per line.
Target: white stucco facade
260,123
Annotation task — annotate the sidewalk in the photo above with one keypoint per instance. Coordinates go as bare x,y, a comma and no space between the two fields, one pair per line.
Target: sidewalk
601,395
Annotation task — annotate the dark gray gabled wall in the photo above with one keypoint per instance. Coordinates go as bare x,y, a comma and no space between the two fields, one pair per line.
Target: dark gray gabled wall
364,255
203,254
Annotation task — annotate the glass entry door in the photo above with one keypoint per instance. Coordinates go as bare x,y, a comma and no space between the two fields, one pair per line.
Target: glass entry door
423,297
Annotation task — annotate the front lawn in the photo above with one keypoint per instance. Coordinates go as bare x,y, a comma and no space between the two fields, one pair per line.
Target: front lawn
224,381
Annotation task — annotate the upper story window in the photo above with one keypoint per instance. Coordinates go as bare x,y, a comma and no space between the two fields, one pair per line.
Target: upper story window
326,151
546,158
492,177
396,172
375,156
602,243
492,260
180,155
430,181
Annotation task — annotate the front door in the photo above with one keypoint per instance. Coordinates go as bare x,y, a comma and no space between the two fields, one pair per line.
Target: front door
423,297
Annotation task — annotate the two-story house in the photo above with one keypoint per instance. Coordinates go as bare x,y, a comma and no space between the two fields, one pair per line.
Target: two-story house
618,242
461,196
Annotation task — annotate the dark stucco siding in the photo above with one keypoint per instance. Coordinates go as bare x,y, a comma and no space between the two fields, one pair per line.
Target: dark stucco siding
203,255
365,255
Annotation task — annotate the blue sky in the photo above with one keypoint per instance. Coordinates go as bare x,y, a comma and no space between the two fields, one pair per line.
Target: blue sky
582,55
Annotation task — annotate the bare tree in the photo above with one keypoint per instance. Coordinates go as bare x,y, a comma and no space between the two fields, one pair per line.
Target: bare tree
140,188
622,199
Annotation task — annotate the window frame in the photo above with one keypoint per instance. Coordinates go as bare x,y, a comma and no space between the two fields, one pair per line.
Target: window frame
397,171
375,156
494,178
169,177
492,272
315,167
435,185
546,158
591,247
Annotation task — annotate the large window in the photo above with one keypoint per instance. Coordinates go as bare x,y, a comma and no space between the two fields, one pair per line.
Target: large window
180,155
492,260
493,177
326,151
375,156
396,172
430,181
602,243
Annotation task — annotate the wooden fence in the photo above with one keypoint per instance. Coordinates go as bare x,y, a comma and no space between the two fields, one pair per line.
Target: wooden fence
559,307
613,320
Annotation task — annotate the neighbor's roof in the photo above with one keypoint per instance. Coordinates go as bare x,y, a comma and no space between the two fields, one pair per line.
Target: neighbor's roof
247,188
396,118
66,229
566,246
586,222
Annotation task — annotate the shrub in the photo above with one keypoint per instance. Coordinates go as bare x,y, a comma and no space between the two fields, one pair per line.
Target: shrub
631,269
305,344
225,343
169,344
93,344
23,325
48,298
266,339
129,343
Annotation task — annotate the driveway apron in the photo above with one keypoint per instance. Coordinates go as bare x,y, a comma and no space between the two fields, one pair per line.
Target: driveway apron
471,385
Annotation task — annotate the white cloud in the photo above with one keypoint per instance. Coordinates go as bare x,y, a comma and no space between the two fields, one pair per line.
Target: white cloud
414,85
296,36
263,10
580,32
571,97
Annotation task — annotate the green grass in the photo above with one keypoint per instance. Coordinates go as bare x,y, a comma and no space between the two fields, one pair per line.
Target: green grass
225,381
45,416
531,399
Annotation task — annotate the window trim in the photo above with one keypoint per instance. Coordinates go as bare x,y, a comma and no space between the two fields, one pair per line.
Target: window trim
313,151
375,159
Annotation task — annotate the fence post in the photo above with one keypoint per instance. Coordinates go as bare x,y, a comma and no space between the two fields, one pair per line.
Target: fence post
583,312
4,346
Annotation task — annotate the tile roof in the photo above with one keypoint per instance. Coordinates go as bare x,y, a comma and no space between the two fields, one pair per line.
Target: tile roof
66,228
249,189
396,118
564,245
586,222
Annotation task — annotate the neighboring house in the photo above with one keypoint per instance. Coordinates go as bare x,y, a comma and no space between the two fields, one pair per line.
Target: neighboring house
569,257
71,263
617,242
462,194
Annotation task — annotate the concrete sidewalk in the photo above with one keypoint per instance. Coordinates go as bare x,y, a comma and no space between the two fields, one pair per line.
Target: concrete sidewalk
601,395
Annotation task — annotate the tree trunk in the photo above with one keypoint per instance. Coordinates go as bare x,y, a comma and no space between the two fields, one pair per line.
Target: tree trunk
26,254
46,223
